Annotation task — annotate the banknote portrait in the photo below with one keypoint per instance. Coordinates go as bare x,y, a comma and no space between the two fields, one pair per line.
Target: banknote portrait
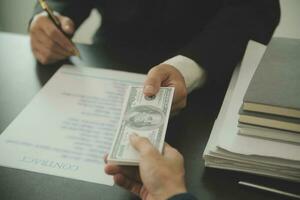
144,117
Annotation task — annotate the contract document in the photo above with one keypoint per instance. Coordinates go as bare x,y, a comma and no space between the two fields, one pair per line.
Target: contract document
69,125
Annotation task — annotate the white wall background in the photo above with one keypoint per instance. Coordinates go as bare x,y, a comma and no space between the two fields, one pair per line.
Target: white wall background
15,14
290,19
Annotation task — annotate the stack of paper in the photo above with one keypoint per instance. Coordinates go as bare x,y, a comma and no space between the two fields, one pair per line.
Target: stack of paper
226,149
271,106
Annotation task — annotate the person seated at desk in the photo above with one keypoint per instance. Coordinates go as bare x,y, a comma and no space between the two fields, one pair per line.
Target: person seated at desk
158,177
196,40
193,39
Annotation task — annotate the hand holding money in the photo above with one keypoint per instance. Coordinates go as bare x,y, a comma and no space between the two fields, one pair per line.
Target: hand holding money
165,75
158,176
147,116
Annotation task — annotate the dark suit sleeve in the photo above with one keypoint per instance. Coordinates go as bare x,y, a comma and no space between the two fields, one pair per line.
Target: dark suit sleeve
183,196
221,45
77,10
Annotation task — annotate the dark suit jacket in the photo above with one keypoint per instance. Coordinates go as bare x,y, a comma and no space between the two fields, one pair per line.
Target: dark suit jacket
214,33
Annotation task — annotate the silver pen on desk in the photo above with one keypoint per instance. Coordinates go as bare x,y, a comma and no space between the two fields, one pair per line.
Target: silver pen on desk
269,189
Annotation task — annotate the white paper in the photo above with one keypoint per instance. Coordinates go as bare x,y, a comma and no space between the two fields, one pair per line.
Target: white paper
69,125
254,51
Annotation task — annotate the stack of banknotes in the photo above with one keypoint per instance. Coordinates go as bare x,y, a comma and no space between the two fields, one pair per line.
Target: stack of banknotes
145,116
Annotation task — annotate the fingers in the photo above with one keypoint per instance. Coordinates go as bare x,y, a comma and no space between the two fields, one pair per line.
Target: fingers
128,184
172,153
143,146
45,56
67,25
56,35
178,105
168,76
39,56
154,80
112,169
130,172
126,177
168,150
48,43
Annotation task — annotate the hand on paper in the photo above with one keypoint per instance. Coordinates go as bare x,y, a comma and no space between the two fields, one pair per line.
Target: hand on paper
48,43
165,75
158,176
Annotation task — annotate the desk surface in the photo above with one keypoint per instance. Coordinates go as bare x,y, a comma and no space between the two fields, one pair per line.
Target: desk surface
21,78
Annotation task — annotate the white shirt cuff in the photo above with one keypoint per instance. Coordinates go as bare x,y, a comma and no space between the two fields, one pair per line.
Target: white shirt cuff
193,74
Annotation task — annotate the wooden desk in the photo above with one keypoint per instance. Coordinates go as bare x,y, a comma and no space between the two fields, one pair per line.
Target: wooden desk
21,78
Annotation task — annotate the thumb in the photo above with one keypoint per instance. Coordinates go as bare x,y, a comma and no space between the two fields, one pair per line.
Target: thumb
154,80
172,153
67,25
142,145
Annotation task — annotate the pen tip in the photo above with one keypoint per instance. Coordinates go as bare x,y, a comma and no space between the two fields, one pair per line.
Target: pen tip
77,53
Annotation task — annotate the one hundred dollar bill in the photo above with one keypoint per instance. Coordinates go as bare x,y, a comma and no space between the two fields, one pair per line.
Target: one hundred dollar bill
145,116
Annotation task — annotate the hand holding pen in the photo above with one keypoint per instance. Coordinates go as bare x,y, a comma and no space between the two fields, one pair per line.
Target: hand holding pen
49,36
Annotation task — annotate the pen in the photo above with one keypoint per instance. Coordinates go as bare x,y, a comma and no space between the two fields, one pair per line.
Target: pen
57,23
269,189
